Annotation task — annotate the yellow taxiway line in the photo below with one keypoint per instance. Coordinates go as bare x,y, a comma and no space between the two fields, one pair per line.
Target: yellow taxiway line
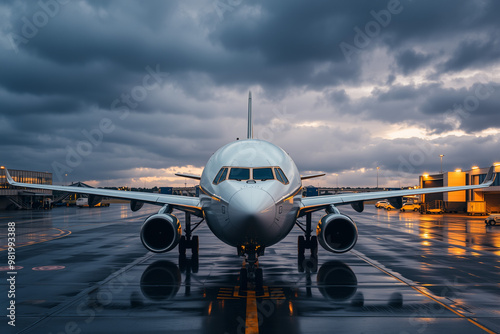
252,318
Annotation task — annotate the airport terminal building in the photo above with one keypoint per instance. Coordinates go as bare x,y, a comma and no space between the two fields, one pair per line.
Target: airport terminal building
486,200
22,198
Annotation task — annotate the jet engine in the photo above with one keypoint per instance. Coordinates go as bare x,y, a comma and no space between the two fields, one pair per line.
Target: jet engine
337,233
161,232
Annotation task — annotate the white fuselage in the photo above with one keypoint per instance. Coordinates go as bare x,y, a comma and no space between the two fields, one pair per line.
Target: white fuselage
250,212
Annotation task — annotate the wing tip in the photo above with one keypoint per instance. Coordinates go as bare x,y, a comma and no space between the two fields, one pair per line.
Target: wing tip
7,175
311,176
490,176
189,176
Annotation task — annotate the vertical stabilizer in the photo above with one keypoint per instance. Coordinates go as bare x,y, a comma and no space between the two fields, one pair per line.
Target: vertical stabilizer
250,125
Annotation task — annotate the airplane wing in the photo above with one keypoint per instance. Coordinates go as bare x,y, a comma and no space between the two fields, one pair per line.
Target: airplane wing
183,203
311,176
310,204
189,176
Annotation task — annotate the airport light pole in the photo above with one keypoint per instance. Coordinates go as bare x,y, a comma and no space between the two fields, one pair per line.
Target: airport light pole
377,175
441,156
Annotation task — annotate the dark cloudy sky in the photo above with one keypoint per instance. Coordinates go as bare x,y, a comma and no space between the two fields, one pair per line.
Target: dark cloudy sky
129,92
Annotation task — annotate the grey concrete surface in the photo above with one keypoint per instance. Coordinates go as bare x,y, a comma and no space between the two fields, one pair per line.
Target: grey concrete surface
86,271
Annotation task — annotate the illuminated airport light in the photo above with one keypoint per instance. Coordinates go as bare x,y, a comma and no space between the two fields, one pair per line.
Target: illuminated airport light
496,164
425,175
475,167
2,167
458,170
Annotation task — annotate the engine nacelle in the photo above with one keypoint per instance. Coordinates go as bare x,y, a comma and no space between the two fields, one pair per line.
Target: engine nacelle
161,232
337,233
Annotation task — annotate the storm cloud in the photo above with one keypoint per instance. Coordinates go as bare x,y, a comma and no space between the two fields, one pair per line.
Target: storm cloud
112,91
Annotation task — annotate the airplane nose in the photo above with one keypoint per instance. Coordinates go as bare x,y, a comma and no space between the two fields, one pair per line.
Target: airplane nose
251,212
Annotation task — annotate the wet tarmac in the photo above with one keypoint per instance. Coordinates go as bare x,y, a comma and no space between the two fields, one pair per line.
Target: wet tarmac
86,271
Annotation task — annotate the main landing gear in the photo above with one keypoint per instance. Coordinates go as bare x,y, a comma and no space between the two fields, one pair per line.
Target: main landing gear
189,241
307,242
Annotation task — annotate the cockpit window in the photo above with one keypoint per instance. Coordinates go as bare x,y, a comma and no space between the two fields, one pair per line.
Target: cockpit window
239,174
221,175
281,176
278,176
242,173
263,174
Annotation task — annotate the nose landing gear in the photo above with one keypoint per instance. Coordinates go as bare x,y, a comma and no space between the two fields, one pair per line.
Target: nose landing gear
251,276
252,279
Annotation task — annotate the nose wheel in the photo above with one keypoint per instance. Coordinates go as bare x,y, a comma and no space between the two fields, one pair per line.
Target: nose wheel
251,276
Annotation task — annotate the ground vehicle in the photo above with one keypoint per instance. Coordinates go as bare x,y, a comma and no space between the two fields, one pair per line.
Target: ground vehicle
492,219
83,202
389,207
410,207
381,204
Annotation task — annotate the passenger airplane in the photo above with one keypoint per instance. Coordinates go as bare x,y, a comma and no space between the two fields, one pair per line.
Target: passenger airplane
251,198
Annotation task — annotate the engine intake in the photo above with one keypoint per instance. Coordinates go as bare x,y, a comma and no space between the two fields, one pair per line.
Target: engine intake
337,233
161,232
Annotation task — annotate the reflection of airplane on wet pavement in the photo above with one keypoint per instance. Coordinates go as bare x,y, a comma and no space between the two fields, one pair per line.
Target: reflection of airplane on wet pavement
251,198
335,290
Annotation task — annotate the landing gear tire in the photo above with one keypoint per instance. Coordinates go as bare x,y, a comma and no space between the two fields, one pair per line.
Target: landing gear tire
259,277
307,242
259,282
194,263
182,245
243,279
301,245
195,245
182,262
314,245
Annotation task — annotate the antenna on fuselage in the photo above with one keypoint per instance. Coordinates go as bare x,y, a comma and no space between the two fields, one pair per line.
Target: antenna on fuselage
250,125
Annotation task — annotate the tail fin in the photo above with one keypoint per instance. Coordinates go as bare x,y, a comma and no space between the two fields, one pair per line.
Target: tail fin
250,124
